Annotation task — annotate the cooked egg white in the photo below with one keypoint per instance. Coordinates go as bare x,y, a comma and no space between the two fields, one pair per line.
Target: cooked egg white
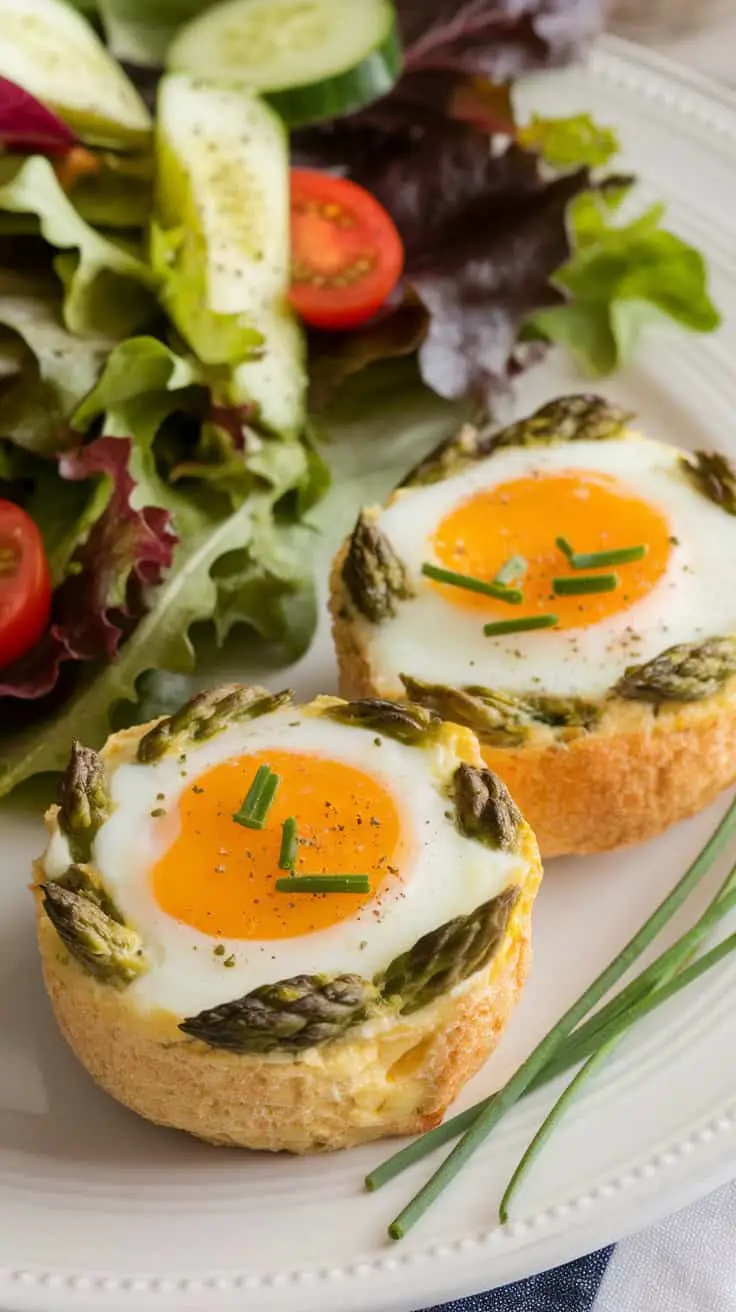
599,495
200,889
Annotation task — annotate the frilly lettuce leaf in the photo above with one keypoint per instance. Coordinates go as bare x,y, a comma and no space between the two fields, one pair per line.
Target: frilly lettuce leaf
568,143
496,39
27,125
65,512
121,558
619,279
161,640
118,193
134,368
242,559
108,288
54,368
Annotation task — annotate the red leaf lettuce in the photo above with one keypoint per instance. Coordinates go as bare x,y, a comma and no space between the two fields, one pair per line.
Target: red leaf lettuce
97,605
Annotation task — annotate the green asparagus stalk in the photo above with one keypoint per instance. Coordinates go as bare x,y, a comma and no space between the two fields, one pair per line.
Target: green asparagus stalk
207,714
102,946
84,801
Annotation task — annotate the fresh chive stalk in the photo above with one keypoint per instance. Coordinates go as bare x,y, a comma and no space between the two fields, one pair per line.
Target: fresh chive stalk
470,584
581,1043
514,568
256,805
651,986
601,559
551,1121
668,990
289,845
324,884
524,624
495,1108
570,586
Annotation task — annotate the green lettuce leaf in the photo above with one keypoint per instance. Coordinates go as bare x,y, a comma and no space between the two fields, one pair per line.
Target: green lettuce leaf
54,368
108,288
568,143
189,594
119,194
619,279
139,366
140,32
252,567
65,513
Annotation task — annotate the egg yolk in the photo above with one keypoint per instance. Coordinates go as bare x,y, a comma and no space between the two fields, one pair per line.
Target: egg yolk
220,877
523,517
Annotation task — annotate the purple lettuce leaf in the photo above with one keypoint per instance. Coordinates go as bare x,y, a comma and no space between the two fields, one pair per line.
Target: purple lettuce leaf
104,595
27,126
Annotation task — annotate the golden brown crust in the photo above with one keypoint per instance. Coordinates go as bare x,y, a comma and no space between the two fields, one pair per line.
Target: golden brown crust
625,782
394,1079
399,1081
606,791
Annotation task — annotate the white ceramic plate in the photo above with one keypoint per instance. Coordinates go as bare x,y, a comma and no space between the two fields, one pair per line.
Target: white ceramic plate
100,1210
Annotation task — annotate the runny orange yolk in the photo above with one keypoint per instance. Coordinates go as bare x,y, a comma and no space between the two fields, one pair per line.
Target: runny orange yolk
220,878
523,517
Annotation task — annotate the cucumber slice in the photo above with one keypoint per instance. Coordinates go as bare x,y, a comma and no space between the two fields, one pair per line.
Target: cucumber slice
313,59
276,381
221,242
49,49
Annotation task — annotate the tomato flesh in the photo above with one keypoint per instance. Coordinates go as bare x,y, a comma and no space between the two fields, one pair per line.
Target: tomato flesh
347,255
25,583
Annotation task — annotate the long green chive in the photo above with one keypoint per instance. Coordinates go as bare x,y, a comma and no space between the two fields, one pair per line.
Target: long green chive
254,809
497,590
514,568
495,1109
598,559
289,845
570,586
522,625
655,999
324,884
580,1044
651,987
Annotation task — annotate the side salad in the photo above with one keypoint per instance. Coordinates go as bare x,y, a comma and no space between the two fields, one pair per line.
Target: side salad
211,218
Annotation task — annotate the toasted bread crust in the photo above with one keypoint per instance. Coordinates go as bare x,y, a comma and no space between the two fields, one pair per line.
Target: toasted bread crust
393,1078
399,1081
620,784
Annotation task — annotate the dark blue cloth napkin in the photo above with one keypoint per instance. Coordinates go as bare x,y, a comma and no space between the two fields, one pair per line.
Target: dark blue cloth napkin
686,1263
569,1288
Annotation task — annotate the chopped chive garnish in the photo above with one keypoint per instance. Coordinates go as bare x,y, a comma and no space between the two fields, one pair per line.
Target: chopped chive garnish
289,845
324,884
600,559
522,625
497,590
570,586
488,1115
515,568
257,802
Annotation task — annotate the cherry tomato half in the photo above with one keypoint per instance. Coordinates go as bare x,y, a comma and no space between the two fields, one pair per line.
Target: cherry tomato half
346,253
25,584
